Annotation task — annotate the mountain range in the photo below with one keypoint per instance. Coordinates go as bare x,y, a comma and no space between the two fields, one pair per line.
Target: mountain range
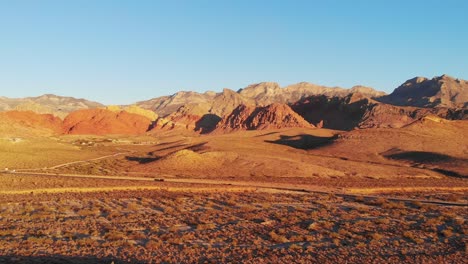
59,106
258,106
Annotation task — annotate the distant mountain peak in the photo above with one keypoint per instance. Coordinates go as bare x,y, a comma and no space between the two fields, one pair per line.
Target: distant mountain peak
440,91
47,104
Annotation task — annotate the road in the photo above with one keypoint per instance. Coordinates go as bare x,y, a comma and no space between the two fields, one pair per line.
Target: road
75,162
282,187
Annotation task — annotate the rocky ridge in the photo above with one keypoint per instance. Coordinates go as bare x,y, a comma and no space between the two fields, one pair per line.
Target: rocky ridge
272,116
59,106
441,91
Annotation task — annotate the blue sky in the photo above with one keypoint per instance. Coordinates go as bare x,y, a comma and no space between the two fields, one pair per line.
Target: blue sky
119,52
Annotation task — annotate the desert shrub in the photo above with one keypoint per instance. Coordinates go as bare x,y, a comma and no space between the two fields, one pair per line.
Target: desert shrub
154,229
459,221
383,221
88,212
361,245
447,233
336,242
327,224
295,247
359,199
40,240
206,226
412,236
87,242
133,206
314,214
393,205
114,235
174,228
379,201
278,238
334,235
376,236
137,236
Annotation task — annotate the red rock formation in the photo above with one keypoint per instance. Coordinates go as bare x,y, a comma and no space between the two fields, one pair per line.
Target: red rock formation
32,120
102,121
273,116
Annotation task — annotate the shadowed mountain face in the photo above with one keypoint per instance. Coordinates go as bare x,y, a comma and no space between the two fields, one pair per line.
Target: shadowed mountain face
443,91
359,111
332,112
47,104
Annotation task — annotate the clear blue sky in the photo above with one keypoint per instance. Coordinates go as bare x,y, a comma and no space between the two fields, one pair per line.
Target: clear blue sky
123,51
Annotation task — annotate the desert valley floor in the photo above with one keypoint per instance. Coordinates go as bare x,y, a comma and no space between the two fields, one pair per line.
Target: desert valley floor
277,196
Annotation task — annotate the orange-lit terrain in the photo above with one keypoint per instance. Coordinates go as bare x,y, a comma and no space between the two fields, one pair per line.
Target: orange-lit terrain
248,176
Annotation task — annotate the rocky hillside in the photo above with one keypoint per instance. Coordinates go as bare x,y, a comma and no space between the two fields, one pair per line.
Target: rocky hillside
102,122
21,123
134,109
203,117
442,91
166,105
273,116
186,117
359,111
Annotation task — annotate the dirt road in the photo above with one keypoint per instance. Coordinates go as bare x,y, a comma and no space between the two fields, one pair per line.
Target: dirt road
276,187
74,162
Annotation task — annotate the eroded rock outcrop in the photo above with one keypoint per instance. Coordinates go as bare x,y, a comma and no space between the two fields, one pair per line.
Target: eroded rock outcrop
273,116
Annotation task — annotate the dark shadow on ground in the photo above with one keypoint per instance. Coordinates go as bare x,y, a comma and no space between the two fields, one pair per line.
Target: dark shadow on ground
151,157
171,147
60,259
441,163
450,173
420,156
142,160
303,141
198,147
